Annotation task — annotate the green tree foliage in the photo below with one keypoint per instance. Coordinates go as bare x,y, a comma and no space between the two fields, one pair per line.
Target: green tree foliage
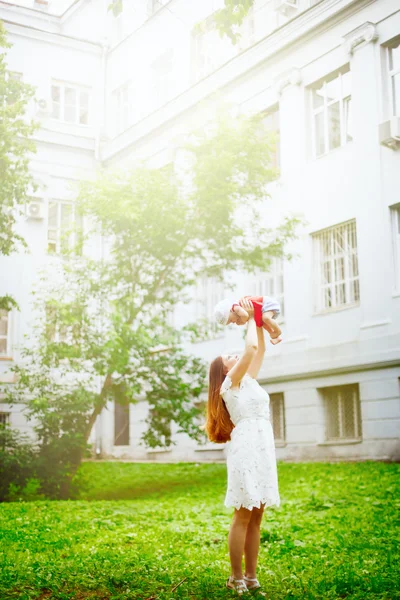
229,18
15,149
103,333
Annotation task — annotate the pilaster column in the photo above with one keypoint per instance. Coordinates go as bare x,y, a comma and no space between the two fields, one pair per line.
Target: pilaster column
371,218
292,121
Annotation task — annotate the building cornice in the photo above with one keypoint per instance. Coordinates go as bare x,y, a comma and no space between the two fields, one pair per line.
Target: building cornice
306,24
327,370
52,37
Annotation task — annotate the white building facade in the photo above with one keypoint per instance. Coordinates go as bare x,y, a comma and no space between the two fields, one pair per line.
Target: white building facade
115,86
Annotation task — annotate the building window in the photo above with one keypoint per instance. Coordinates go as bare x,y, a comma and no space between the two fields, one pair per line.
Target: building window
208,293
4,333
121,425
63,227
162,78
395,221
336,266
12,94
4,418
269,284
69,331
331,112
277,410
342,413
271,121
70,103
393,61
122,106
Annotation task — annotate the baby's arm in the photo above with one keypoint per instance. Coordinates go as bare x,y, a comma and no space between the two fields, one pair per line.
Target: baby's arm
241,312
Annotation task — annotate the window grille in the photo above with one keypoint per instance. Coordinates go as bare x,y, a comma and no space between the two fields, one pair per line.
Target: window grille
121,425
269,283
336,262
342,413
63,224
4,333
4,418
70,103
393,62
277,411
395,219
331,112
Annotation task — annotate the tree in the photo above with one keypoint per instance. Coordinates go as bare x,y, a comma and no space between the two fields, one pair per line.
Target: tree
106,336
15,149
229,18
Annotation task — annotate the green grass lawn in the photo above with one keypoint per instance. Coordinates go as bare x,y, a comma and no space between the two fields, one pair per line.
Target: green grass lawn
137,530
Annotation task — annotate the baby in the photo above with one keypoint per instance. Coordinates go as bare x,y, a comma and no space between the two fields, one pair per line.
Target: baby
266,309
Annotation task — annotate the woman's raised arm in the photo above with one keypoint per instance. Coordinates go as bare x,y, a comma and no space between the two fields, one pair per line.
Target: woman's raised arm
257,361
251,345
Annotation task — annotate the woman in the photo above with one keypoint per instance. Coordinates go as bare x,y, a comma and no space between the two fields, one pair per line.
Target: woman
238,412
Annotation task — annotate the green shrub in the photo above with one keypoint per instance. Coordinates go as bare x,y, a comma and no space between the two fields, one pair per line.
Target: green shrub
17,462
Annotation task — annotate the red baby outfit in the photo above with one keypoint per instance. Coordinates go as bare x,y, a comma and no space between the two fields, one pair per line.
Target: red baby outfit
257,302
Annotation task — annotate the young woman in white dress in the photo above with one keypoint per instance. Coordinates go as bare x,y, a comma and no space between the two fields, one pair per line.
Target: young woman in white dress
238,413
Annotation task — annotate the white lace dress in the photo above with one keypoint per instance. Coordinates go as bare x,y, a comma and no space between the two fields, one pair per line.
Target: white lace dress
250,453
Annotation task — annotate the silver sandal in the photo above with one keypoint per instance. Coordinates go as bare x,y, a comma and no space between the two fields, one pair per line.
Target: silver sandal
239,585
256,585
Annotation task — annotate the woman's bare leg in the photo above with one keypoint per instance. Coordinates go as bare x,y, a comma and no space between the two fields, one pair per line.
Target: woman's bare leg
236,539
252,542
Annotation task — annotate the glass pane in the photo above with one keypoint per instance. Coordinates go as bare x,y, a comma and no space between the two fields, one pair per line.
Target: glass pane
53,214
3,346
327,298
339,269
356,290
326,273
394,58
318,97
349,417
56,111
396,94
319,134
52,235
340,290
346,84
332,416
51,247
334,125
70,96
70,114
66,215
55,93
84,100
83,116
3,325
333,89
348,119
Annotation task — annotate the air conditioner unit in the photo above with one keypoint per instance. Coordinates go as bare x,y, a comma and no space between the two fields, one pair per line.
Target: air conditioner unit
389,133
287,7
35,210
43,106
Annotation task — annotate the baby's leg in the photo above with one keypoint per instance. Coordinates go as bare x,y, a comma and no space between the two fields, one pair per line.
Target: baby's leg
271,325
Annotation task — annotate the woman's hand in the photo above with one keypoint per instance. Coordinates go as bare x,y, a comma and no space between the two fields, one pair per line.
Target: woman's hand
248,306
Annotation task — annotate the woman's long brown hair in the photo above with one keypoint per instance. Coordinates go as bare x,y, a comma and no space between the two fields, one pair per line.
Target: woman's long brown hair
218,424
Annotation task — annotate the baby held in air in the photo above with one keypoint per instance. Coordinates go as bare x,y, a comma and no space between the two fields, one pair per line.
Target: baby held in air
266,309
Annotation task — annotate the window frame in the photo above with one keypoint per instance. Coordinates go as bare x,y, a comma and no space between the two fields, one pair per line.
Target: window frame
395,231
391,74
278,397
327,394
319,265
58,229
343,114
79,89
7,420
7,337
